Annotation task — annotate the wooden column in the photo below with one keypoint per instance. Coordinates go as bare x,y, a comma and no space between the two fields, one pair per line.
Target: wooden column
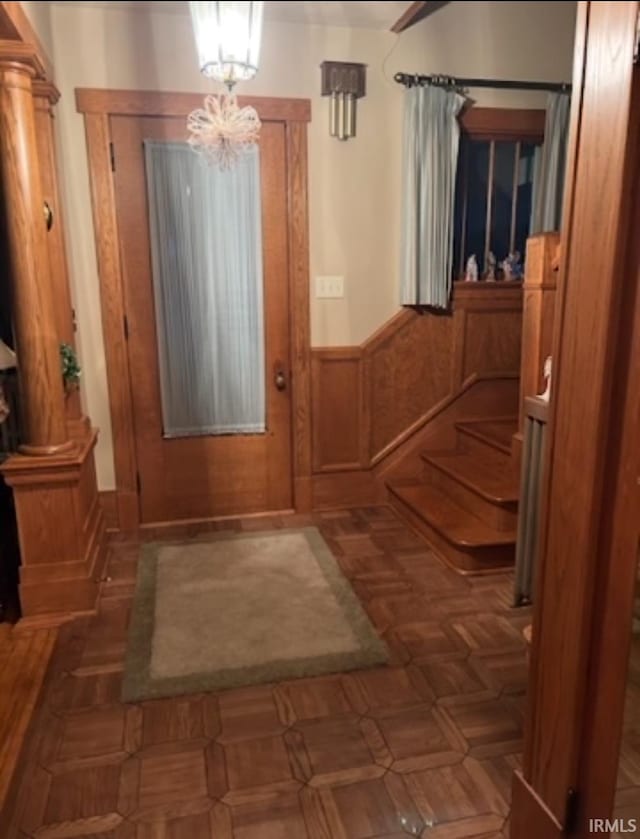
45,96
42,396
60,520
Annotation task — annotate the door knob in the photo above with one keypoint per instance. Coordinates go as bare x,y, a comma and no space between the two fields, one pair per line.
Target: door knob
280,380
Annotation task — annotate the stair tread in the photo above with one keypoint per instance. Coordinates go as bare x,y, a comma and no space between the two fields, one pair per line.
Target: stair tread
496,432
489,475
453,522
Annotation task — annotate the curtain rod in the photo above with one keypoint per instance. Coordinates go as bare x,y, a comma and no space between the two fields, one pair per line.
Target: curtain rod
413,79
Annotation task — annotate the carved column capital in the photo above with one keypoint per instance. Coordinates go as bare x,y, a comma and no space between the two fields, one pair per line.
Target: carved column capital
45,94
20,58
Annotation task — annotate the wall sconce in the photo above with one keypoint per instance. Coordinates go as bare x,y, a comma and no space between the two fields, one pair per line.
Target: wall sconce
344,82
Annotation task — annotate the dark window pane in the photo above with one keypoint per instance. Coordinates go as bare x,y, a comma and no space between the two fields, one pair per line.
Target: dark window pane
460,209
470,211
525,192
477,201
502,199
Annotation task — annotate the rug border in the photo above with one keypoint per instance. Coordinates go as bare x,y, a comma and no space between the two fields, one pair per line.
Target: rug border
138,685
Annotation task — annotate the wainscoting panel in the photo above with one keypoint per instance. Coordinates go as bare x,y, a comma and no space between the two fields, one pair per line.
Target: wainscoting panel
339,422
492,341
368,401
407,369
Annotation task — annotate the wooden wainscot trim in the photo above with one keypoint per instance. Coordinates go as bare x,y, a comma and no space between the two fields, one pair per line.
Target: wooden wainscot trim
370,406
299,303
340,434
385,332
156,103
346,489
487,295
109,502
113,317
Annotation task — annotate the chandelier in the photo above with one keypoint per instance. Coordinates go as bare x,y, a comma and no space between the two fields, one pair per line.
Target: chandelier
228,38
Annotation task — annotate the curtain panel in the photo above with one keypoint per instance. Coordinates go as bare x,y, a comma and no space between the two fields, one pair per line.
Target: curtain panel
549,166
430,158
206,248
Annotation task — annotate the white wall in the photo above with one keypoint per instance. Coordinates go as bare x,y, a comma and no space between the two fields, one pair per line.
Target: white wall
354,186
39,15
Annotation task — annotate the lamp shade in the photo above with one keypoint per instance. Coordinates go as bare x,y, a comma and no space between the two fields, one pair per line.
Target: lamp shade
228,39
7,357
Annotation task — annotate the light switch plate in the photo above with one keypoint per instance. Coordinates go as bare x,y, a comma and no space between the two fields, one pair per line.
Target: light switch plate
330,286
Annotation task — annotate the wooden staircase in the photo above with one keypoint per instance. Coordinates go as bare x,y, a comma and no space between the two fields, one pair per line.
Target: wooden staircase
465,501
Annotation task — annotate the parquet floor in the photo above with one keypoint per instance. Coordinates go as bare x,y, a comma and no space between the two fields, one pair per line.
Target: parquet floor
424,747
24,657
627,803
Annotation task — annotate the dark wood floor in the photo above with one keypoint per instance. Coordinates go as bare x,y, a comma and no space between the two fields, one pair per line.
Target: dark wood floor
423,747
627,805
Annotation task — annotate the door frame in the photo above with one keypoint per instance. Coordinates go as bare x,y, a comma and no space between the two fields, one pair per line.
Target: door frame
589,530
97,106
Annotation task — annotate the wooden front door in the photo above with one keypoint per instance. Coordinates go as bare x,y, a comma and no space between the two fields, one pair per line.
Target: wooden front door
211,475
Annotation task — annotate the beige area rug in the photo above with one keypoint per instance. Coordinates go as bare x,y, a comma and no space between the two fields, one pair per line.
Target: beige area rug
236,610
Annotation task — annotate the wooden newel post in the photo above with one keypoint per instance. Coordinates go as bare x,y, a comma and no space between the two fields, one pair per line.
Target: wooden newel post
37,341
540,283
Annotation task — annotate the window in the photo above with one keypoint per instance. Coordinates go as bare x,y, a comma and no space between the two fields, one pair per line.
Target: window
206,239
494,191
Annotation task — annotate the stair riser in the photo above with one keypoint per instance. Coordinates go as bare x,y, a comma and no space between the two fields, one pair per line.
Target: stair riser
475,445
503,517
469,561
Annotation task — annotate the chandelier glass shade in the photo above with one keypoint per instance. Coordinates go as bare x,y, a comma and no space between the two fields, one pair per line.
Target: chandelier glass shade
228,36
228,43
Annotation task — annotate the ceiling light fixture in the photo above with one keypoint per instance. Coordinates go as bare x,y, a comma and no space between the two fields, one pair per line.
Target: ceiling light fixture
228,36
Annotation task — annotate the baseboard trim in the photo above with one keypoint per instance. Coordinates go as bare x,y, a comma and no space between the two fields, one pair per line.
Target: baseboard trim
109,501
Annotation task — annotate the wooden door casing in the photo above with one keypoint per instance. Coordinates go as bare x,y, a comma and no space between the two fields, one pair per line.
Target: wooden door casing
585,487
98,107
615,584
205,476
